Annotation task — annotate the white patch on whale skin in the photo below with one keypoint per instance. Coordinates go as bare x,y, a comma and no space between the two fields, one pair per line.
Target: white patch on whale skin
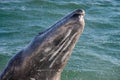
32,79
42,59
80,18
47,79
47,49
66,54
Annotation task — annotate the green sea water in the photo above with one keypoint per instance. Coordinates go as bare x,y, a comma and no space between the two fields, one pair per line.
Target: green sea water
97,53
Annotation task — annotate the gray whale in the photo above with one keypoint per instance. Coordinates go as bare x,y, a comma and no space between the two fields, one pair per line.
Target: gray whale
47,54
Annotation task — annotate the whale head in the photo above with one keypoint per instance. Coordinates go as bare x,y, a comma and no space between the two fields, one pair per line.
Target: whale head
47,54
58,42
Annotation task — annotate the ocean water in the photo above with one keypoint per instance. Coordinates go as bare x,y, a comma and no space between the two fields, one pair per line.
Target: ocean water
97,53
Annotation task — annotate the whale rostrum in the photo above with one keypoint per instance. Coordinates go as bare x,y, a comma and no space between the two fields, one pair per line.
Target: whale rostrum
47,54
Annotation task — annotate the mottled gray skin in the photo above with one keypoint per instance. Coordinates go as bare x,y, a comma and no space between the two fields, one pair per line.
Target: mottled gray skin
47,54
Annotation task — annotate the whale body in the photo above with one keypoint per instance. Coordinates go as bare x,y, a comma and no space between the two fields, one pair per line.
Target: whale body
47,54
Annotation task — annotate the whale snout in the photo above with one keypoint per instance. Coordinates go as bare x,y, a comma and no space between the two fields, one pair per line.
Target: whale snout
78,12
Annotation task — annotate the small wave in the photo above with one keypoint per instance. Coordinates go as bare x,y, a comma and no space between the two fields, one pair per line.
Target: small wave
7,33
13,1
90,70
5,8
9,1
22,8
